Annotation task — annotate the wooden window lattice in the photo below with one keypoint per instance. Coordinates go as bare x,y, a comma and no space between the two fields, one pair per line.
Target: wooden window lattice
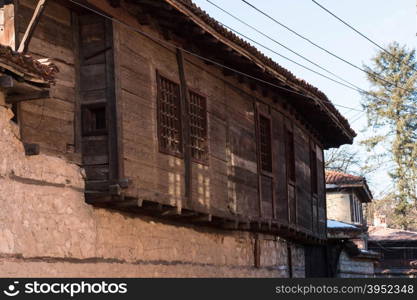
198,127
169,117
290,155
265,143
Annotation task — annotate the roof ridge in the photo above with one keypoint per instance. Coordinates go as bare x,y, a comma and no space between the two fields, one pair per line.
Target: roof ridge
266,60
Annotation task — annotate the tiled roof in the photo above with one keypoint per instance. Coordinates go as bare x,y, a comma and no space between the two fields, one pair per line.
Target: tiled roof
390,234
266,60
26,66
335,177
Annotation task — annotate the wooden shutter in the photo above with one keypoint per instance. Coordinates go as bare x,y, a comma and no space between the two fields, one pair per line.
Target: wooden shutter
314,187
321,194
290,170
279,164
265,176
97,97
302,174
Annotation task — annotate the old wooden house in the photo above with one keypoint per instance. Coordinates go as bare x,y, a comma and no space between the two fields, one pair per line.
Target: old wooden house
172,115
347,196
398,250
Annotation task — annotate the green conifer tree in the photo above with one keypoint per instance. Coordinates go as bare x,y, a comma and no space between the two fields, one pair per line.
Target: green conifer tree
391,106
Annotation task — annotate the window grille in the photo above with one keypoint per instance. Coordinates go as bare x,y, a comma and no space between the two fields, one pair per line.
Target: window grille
265,143
198,127
169,116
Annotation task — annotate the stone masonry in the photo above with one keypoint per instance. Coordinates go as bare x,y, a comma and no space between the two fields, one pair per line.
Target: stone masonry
47,230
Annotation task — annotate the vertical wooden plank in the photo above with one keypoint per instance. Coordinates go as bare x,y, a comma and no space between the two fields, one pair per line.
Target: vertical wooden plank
321,196
257,251
290,170
112,106
77,109
258,156
303,185
118,100
281,201
185,128
289,260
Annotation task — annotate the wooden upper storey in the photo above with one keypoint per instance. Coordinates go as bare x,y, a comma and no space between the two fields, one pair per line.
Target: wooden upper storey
157,127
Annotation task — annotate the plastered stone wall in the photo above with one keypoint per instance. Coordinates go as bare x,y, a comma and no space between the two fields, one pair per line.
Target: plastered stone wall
46,229
338,207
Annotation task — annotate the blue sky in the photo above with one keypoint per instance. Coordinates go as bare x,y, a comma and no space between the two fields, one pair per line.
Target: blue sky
383,21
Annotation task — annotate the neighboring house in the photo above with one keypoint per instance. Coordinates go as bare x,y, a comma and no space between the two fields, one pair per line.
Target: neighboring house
187,167
346,227
398,249
347,196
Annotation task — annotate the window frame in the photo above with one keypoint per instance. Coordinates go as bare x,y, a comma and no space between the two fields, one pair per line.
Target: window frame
86,118
268,172
163,150
290,161
205,160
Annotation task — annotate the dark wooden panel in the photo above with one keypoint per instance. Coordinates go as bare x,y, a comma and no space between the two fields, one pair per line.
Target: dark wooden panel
316,262
93,96
302,173
267,198
97,97
92,33
321,196
242,142
93,77
97,172
95,145
278,152
292,204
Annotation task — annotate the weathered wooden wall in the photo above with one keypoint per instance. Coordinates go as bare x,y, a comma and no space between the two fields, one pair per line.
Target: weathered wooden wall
50,122
229,183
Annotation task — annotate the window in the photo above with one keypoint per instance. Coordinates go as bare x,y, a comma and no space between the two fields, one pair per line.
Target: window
313,172
169,116
290,159
94,119
265,143
198,127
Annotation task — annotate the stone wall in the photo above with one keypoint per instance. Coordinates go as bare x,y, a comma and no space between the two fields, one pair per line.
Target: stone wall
355,268
338,207
46,229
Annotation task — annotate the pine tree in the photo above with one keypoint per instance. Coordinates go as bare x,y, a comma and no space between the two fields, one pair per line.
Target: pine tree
391,107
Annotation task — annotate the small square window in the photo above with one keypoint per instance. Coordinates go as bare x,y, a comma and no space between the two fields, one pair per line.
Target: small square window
94,120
